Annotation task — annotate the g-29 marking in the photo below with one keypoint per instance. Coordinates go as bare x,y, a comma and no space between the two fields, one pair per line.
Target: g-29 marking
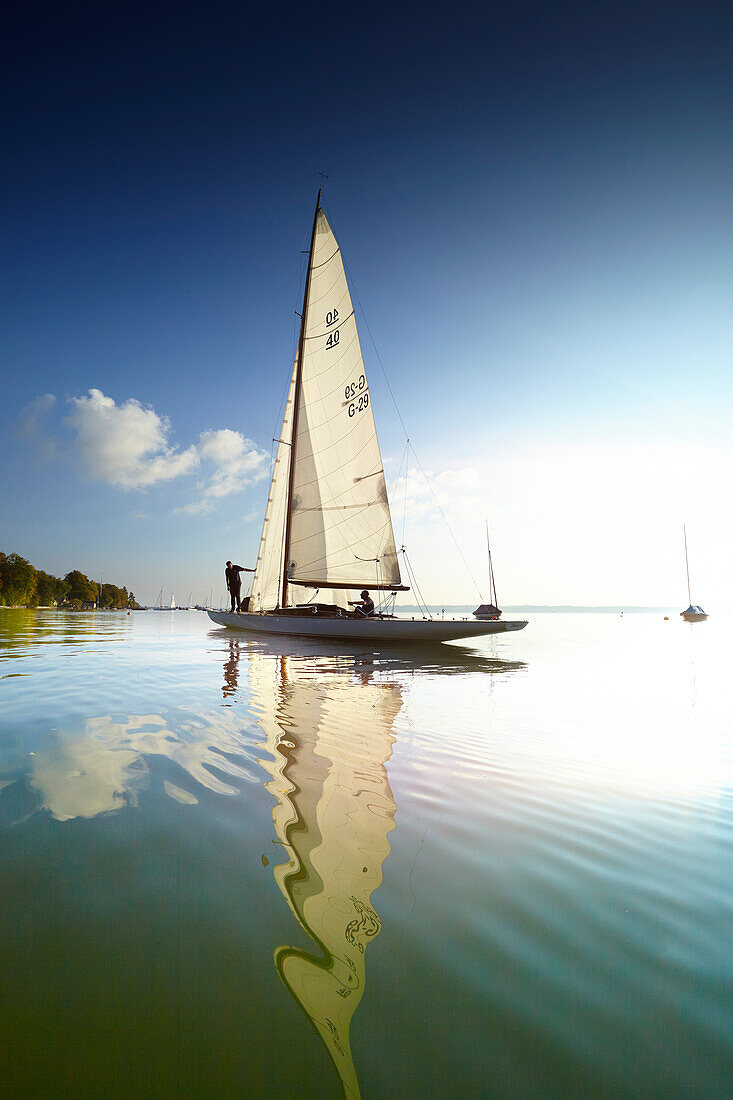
359,406
355,387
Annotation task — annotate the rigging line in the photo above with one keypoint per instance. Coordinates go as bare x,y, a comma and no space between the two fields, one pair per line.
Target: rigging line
415,586
394,482
445,520
374,345
411,576
404,501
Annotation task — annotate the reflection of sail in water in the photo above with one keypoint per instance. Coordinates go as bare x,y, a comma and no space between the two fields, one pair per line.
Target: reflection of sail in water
329,737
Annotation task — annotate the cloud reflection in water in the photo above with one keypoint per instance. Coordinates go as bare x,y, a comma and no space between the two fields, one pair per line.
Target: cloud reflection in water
102,768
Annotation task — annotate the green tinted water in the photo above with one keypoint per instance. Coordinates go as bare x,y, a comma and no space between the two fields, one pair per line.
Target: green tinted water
231,867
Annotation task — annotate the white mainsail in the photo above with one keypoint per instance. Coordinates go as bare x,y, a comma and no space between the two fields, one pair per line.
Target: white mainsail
340,529
340,526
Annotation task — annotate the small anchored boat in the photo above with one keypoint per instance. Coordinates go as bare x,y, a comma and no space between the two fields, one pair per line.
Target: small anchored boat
327,531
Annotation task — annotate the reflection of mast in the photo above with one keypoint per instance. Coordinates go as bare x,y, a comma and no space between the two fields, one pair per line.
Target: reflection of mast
231,669
334,811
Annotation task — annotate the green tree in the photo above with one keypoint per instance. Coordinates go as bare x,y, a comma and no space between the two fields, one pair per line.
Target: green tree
45,588
60,589
111,596
80,587
17,581
50,590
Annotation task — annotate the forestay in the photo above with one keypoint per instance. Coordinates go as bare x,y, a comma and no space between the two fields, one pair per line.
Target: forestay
341,531
268,573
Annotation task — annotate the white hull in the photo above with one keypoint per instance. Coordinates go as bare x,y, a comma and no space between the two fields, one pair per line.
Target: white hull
388,631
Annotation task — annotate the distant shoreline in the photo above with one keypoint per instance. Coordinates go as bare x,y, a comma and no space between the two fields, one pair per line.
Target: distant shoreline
609,609
434,609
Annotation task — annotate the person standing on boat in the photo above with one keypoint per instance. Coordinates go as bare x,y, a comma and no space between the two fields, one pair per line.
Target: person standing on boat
234,583
365,606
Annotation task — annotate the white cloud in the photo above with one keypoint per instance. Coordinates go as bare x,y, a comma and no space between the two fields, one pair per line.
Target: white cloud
126,445
236,461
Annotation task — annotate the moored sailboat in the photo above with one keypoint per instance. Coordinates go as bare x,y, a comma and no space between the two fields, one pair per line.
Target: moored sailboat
489,610
694,613
327,531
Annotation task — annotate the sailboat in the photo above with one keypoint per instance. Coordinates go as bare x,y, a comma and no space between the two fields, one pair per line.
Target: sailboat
327,532
489,610
694,613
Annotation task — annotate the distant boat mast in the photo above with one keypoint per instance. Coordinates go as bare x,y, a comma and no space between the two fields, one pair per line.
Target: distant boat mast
492,582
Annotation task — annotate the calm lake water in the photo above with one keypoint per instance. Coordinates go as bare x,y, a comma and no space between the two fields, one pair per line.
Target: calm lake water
246,868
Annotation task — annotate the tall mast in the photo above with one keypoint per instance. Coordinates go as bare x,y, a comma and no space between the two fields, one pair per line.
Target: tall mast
296,403
687,566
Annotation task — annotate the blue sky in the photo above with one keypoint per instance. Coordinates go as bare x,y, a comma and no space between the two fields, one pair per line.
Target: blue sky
535,207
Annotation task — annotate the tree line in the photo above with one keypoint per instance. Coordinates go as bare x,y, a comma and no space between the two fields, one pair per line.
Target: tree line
22,585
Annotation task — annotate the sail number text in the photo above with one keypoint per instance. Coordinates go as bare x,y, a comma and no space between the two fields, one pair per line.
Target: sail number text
357,390
332,339
355,387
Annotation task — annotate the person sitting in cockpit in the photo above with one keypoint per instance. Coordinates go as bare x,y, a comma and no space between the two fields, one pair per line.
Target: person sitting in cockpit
364,606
